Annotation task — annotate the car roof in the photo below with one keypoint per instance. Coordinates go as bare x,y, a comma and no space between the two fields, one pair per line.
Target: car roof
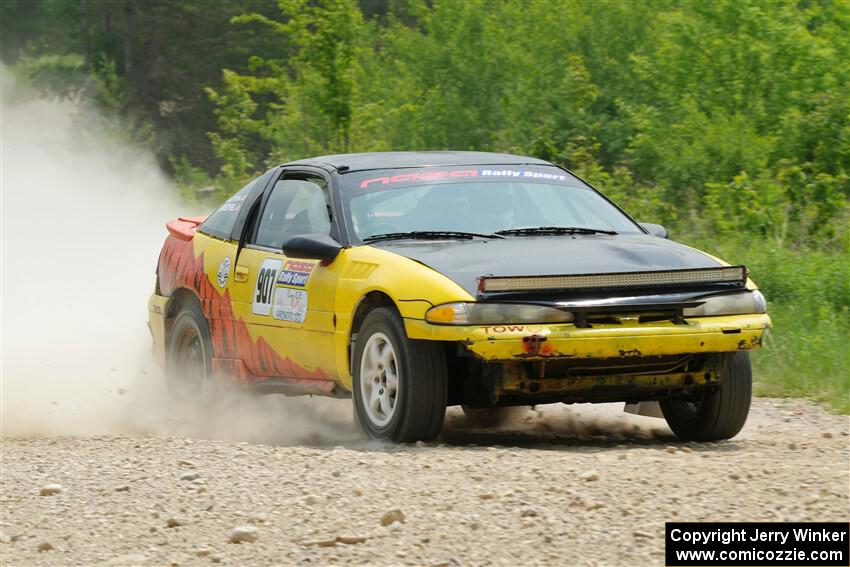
391,160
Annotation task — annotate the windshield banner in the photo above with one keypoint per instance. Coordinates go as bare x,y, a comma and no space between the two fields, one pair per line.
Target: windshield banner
487,173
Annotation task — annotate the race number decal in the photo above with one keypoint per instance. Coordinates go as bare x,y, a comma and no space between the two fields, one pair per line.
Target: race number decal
290,304
265,286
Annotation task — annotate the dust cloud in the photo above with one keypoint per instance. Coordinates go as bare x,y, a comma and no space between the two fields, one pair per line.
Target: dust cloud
82,223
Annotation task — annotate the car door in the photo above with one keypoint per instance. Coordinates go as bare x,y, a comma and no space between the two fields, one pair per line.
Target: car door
287,302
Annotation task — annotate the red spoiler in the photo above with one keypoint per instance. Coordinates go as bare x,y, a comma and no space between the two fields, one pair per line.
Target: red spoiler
184,227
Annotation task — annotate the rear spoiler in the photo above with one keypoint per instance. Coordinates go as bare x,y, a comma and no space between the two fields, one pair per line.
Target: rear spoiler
184,227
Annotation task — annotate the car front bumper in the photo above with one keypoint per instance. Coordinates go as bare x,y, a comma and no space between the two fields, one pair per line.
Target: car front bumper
503,343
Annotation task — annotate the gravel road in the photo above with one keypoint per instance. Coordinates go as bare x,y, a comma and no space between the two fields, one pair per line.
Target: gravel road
579,485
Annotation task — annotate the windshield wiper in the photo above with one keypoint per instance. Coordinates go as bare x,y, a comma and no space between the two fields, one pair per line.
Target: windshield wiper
430,235
537,230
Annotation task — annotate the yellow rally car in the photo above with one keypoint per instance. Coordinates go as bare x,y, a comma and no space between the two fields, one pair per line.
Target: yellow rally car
412,281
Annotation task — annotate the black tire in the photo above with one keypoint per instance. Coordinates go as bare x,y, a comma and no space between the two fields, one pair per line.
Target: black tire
188,366
494,417
722,410
419,405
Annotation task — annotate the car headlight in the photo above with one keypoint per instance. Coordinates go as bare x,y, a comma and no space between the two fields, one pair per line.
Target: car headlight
730,304
495,314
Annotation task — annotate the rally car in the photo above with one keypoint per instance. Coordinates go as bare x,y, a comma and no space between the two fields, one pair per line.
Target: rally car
410,281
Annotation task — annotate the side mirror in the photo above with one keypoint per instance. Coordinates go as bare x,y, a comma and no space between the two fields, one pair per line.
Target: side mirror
312,247
654,229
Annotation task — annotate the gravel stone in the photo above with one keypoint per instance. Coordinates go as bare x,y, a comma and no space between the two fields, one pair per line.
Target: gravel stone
175,521
243,534
590,476
392,516
322,542
50,489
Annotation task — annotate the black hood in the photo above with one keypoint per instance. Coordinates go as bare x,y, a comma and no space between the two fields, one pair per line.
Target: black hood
464,261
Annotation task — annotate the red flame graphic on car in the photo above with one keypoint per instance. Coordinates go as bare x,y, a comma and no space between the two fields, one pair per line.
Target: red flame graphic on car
234,352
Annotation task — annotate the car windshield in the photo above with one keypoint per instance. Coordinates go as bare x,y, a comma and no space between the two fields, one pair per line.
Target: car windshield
477,199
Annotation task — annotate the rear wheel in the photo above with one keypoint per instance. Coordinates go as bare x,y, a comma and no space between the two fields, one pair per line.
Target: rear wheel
399,384
189,362
720,412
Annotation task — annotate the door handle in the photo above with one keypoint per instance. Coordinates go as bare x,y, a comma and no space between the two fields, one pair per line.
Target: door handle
240,274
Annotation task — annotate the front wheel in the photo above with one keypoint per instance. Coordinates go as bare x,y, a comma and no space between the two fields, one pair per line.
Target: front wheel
721,412
399,385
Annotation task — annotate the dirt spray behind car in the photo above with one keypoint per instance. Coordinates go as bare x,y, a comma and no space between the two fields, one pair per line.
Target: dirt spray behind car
82,216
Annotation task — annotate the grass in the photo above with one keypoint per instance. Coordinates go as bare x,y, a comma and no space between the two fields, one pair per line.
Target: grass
805,357
807,352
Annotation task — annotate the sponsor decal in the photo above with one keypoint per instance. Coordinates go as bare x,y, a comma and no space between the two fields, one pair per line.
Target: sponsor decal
420,176
223,272
447,174
505,329
265,286
290,305
233,204
295,274
522,174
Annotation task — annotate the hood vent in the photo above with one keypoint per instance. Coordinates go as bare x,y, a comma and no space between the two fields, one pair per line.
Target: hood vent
660,280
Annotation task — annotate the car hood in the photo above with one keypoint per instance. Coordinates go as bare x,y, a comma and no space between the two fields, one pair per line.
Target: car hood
464,261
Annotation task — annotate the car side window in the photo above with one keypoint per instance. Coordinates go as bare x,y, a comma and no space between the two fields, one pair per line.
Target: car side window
295,206
220,222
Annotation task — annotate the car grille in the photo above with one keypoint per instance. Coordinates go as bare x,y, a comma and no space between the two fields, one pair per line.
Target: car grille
666,279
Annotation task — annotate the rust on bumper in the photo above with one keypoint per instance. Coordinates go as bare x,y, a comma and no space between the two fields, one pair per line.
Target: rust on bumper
515,380
517,343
